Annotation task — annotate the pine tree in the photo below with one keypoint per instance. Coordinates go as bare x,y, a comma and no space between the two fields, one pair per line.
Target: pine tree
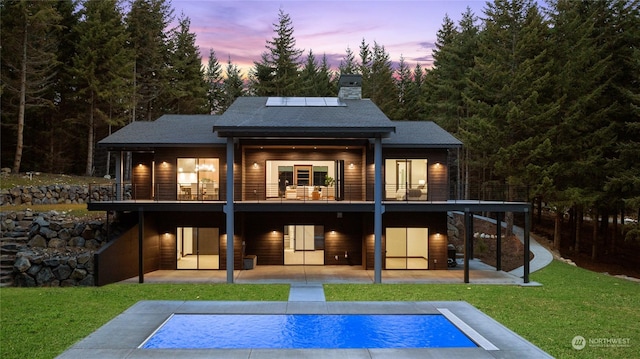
364,68
403,83
309,77
348,64
325,77
187,90
146,24
29,61
215,84
233,86
415,96
101,65
380,82
277,72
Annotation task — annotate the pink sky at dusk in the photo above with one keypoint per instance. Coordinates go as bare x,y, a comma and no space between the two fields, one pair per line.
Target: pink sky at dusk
240,29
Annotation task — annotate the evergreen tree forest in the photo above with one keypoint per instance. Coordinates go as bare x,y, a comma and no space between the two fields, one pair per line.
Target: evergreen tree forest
544,96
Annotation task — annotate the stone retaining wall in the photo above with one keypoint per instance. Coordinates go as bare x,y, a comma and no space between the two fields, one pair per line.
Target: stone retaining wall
53,194
50,249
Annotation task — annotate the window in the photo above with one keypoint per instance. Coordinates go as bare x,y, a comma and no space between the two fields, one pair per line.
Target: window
406,179
303,244
198,179
407,248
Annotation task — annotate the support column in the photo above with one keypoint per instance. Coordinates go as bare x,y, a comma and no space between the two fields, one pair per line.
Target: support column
499,241
378,210
229,210
119,190
527,245
140,245
468,235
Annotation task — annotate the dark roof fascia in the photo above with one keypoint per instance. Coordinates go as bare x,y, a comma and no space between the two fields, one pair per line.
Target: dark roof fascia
303,132
152,146
422,145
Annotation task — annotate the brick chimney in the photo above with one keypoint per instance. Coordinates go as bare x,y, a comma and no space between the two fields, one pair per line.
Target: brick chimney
350,87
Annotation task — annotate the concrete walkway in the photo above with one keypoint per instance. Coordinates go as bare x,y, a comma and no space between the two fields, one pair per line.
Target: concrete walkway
312,292
541,256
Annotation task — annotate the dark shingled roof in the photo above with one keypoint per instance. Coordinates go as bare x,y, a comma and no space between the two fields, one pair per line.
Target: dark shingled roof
167,131
249,116
420,134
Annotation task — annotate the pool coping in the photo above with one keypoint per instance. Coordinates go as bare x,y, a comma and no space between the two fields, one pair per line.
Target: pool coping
121,336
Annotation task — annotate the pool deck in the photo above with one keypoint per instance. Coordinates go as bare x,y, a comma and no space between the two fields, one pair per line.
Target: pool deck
121,337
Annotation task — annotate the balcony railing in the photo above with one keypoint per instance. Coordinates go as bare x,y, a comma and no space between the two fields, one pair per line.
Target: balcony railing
199,192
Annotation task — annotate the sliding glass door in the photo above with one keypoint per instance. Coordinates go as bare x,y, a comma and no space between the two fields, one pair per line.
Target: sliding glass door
407,248
303,245
198,248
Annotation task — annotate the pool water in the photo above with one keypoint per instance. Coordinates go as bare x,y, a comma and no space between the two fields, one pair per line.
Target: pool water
306,331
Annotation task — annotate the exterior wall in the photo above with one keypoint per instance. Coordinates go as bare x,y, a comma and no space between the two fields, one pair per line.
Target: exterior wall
168,223
166,171
437,172
264,236
437,224
253,183
141,175
118,260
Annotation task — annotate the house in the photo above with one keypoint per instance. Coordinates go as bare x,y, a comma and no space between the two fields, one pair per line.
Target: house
313,181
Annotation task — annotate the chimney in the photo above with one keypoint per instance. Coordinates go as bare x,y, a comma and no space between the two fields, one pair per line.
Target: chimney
350,87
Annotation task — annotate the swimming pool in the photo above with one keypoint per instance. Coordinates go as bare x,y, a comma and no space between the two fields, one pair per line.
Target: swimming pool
307,331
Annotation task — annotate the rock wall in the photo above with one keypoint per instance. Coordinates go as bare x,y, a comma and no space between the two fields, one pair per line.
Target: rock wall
53,194
49,249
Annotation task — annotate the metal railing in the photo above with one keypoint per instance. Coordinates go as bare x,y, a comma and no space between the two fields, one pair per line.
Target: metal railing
199,192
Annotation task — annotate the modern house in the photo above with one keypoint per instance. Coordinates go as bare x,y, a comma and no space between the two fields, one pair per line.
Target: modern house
293,181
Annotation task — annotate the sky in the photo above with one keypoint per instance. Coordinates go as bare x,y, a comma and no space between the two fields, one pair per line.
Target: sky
240,29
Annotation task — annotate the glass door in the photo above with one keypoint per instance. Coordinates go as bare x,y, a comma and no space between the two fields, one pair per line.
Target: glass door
303,245
407,248
198,248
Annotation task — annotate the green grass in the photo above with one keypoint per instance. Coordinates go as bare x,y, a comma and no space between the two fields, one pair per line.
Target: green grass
43,322
573,301
47,179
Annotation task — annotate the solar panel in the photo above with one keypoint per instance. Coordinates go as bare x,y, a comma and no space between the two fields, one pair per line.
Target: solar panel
304,102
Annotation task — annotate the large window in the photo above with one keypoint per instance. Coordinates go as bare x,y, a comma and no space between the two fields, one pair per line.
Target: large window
298,179
198,179
406,179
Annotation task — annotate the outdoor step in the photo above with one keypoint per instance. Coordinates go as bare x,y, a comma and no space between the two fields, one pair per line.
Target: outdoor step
6,279
9,250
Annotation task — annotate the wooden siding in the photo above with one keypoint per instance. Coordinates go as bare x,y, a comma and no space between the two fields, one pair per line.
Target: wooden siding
141,175
252,182
169,222
437,224
437,176
264,236
166,175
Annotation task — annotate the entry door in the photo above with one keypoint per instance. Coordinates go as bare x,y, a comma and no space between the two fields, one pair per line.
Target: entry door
407,248
303,245
198,248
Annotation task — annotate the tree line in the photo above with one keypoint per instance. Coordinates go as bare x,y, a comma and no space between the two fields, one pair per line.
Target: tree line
545,97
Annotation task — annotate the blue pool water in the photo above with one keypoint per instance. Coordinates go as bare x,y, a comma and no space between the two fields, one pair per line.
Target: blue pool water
306,331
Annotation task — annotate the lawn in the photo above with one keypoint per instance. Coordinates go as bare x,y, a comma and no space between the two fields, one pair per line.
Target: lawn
43,322
573,301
